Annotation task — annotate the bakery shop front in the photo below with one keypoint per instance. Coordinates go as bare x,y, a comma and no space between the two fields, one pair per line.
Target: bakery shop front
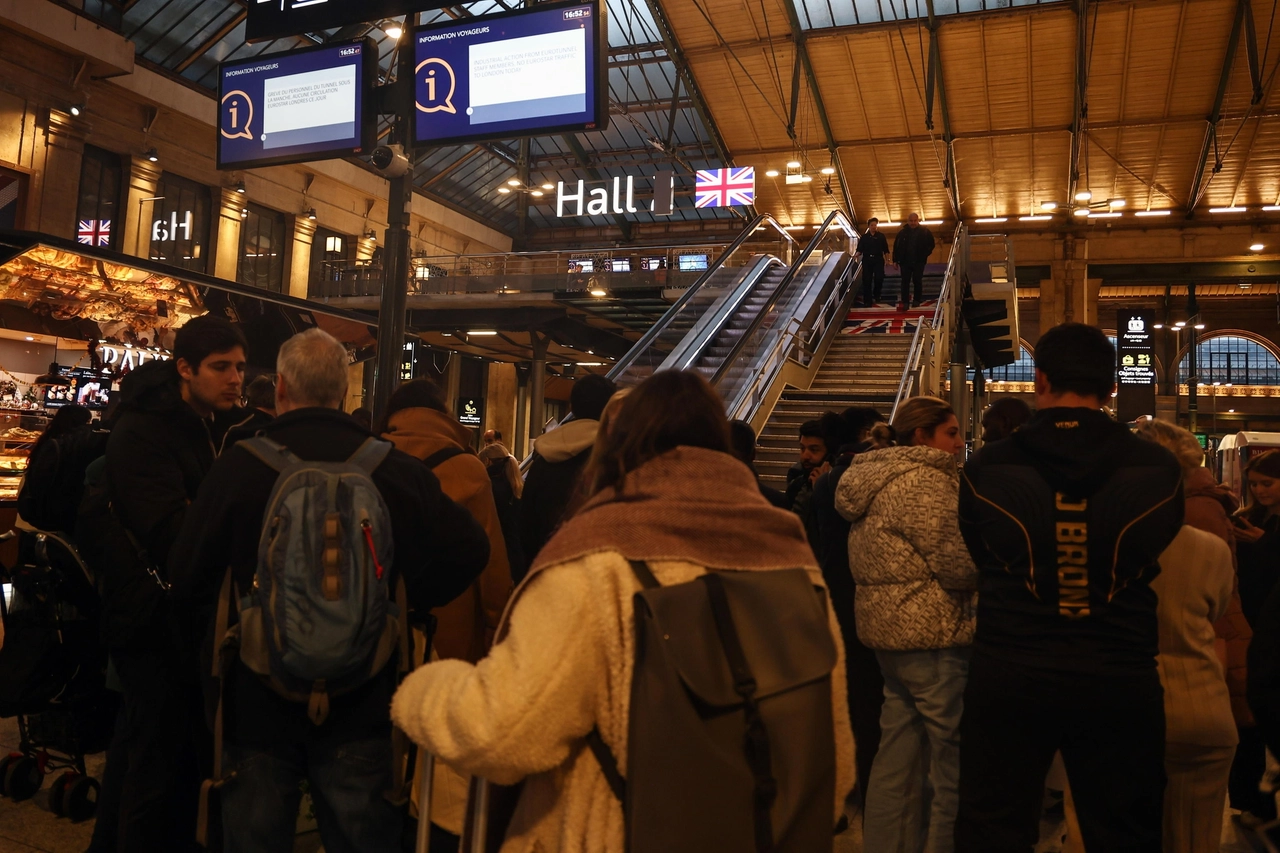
76,319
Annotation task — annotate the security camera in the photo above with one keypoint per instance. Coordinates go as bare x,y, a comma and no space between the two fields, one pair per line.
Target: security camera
390,161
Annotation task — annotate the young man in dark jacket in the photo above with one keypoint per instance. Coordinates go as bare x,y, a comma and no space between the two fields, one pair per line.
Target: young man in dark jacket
911,250
873,247
558,459
160,449
271,744
1066,521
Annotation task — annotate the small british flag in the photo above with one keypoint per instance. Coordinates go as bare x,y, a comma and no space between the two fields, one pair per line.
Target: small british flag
94,232
725,187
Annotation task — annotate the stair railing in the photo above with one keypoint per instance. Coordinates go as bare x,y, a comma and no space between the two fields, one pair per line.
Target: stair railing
934,337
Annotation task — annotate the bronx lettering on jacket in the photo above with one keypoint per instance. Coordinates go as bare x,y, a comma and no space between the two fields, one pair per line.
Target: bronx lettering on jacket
1072,529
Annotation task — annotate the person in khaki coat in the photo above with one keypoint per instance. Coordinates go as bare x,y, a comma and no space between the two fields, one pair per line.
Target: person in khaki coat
419,424
563,663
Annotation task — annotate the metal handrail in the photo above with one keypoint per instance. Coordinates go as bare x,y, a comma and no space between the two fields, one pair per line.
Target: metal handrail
847,225
640,346
946,296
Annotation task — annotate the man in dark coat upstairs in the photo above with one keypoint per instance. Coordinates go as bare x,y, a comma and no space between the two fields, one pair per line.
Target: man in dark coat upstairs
911,250
558,459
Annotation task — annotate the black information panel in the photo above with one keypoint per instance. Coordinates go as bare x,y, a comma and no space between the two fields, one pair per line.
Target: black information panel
1136,365
526,73
273,19
292,107
470,411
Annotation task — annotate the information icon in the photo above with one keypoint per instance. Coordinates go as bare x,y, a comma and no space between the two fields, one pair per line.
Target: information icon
436,84
237,116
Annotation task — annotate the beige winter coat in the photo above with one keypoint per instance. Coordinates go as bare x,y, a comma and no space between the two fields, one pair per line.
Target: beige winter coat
525,710
916,583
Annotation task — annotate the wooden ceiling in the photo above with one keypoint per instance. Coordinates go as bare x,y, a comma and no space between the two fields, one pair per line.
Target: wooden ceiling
1151,73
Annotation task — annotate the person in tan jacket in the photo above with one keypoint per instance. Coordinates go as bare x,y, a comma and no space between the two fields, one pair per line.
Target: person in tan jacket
563,663
418,423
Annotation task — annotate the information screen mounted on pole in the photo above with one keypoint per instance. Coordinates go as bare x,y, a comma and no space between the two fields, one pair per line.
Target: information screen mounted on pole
273,19
301,105
526,73
1136,367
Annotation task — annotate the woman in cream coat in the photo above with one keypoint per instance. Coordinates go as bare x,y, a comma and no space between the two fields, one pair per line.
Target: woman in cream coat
669,494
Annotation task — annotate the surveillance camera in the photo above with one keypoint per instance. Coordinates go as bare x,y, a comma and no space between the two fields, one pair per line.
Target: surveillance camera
390,160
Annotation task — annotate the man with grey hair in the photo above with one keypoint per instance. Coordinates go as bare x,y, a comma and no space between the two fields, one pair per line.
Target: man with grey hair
270,745
911,250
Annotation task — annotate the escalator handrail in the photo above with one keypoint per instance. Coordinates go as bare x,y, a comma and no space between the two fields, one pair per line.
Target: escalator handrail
910,371
733,353
705,330
624,363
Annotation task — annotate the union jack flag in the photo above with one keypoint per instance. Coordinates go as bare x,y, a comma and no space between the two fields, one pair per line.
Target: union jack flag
94,232
886,321
725,187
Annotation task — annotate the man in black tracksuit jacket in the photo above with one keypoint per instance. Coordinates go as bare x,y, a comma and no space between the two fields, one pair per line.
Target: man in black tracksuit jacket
873,247
1066,521
271,745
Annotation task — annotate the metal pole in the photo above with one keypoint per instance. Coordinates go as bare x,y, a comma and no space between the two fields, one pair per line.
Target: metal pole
1193,379
424,799
538,385
396,266
520,441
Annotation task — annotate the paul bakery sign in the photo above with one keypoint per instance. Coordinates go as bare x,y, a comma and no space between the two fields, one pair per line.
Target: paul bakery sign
116,357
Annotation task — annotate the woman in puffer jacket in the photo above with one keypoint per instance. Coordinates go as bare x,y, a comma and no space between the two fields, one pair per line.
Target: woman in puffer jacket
915,606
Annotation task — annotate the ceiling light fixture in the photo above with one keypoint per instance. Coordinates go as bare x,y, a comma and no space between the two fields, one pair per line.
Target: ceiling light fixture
1080,211
1256,247
1116,202
771,173
1157,325
244,213
393,30
828,170
1043,217
76,109
992,219
1114,214
806,178
311,214
1180,323
1199,327
482,332
1048,205
240,188
1084,195
153,155
504,190
598,292
537,193
548,186
1228,209
1271,208
1152,212
513,182
793,164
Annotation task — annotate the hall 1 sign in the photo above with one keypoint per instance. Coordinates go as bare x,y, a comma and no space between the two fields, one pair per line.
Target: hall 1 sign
600,201
1136,365
165,230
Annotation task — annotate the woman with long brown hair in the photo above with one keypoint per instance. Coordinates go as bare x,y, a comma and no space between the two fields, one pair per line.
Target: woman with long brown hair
667,493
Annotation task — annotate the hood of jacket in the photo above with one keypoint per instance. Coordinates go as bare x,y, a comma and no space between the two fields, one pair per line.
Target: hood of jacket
153,387
1200,483
870,472
421,432
1075,450
567,441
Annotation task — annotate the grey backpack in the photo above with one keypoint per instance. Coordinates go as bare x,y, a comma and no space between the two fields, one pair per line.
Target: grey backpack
731,736
320,619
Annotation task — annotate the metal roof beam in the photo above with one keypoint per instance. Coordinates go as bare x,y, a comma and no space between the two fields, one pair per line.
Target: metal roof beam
1081,103
221,33
935,80
798,35
1198,182
450,169
585,161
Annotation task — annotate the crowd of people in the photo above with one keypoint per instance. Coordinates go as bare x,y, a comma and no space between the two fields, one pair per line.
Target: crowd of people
289,593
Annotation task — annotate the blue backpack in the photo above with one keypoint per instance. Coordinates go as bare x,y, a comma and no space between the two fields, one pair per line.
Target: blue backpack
320,619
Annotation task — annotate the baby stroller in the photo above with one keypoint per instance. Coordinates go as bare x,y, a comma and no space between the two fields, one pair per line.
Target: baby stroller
52,673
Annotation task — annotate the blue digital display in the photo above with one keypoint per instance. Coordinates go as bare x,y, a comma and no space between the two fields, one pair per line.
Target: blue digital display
292,107
521,74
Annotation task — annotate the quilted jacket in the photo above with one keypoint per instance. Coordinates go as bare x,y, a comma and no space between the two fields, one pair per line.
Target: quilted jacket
916,583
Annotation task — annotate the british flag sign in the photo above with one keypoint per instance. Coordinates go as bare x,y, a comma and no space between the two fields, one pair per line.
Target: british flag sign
94,232
725,187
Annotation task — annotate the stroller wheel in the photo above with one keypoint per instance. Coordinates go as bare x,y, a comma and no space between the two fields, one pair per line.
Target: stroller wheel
58,792
4,769
23,778
81,799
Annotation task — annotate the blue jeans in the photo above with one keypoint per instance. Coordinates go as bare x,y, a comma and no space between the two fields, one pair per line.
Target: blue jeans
919,739
348,780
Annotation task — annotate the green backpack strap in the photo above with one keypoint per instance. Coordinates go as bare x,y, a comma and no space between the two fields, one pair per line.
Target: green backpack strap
273,454
370,455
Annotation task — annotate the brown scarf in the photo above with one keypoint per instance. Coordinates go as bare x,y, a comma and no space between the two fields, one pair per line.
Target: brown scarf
689,504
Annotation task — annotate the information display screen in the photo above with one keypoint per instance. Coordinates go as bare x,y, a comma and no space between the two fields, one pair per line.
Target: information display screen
1136,364
521,74
88,388
308,104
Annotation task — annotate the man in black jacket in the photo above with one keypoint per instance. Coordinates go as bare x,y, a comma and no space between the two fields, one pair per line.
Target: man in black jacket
160,450
872,248
271,744
558,459
911,250
1066,522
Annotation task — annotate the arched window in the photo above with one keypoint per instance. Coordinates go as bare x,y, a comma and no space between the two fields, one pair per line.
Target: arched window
1022,370
1232,359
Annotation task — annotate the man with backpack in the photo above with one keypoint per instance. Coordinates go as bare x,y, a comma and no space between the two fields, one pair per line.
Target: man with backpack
161,447
303,551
